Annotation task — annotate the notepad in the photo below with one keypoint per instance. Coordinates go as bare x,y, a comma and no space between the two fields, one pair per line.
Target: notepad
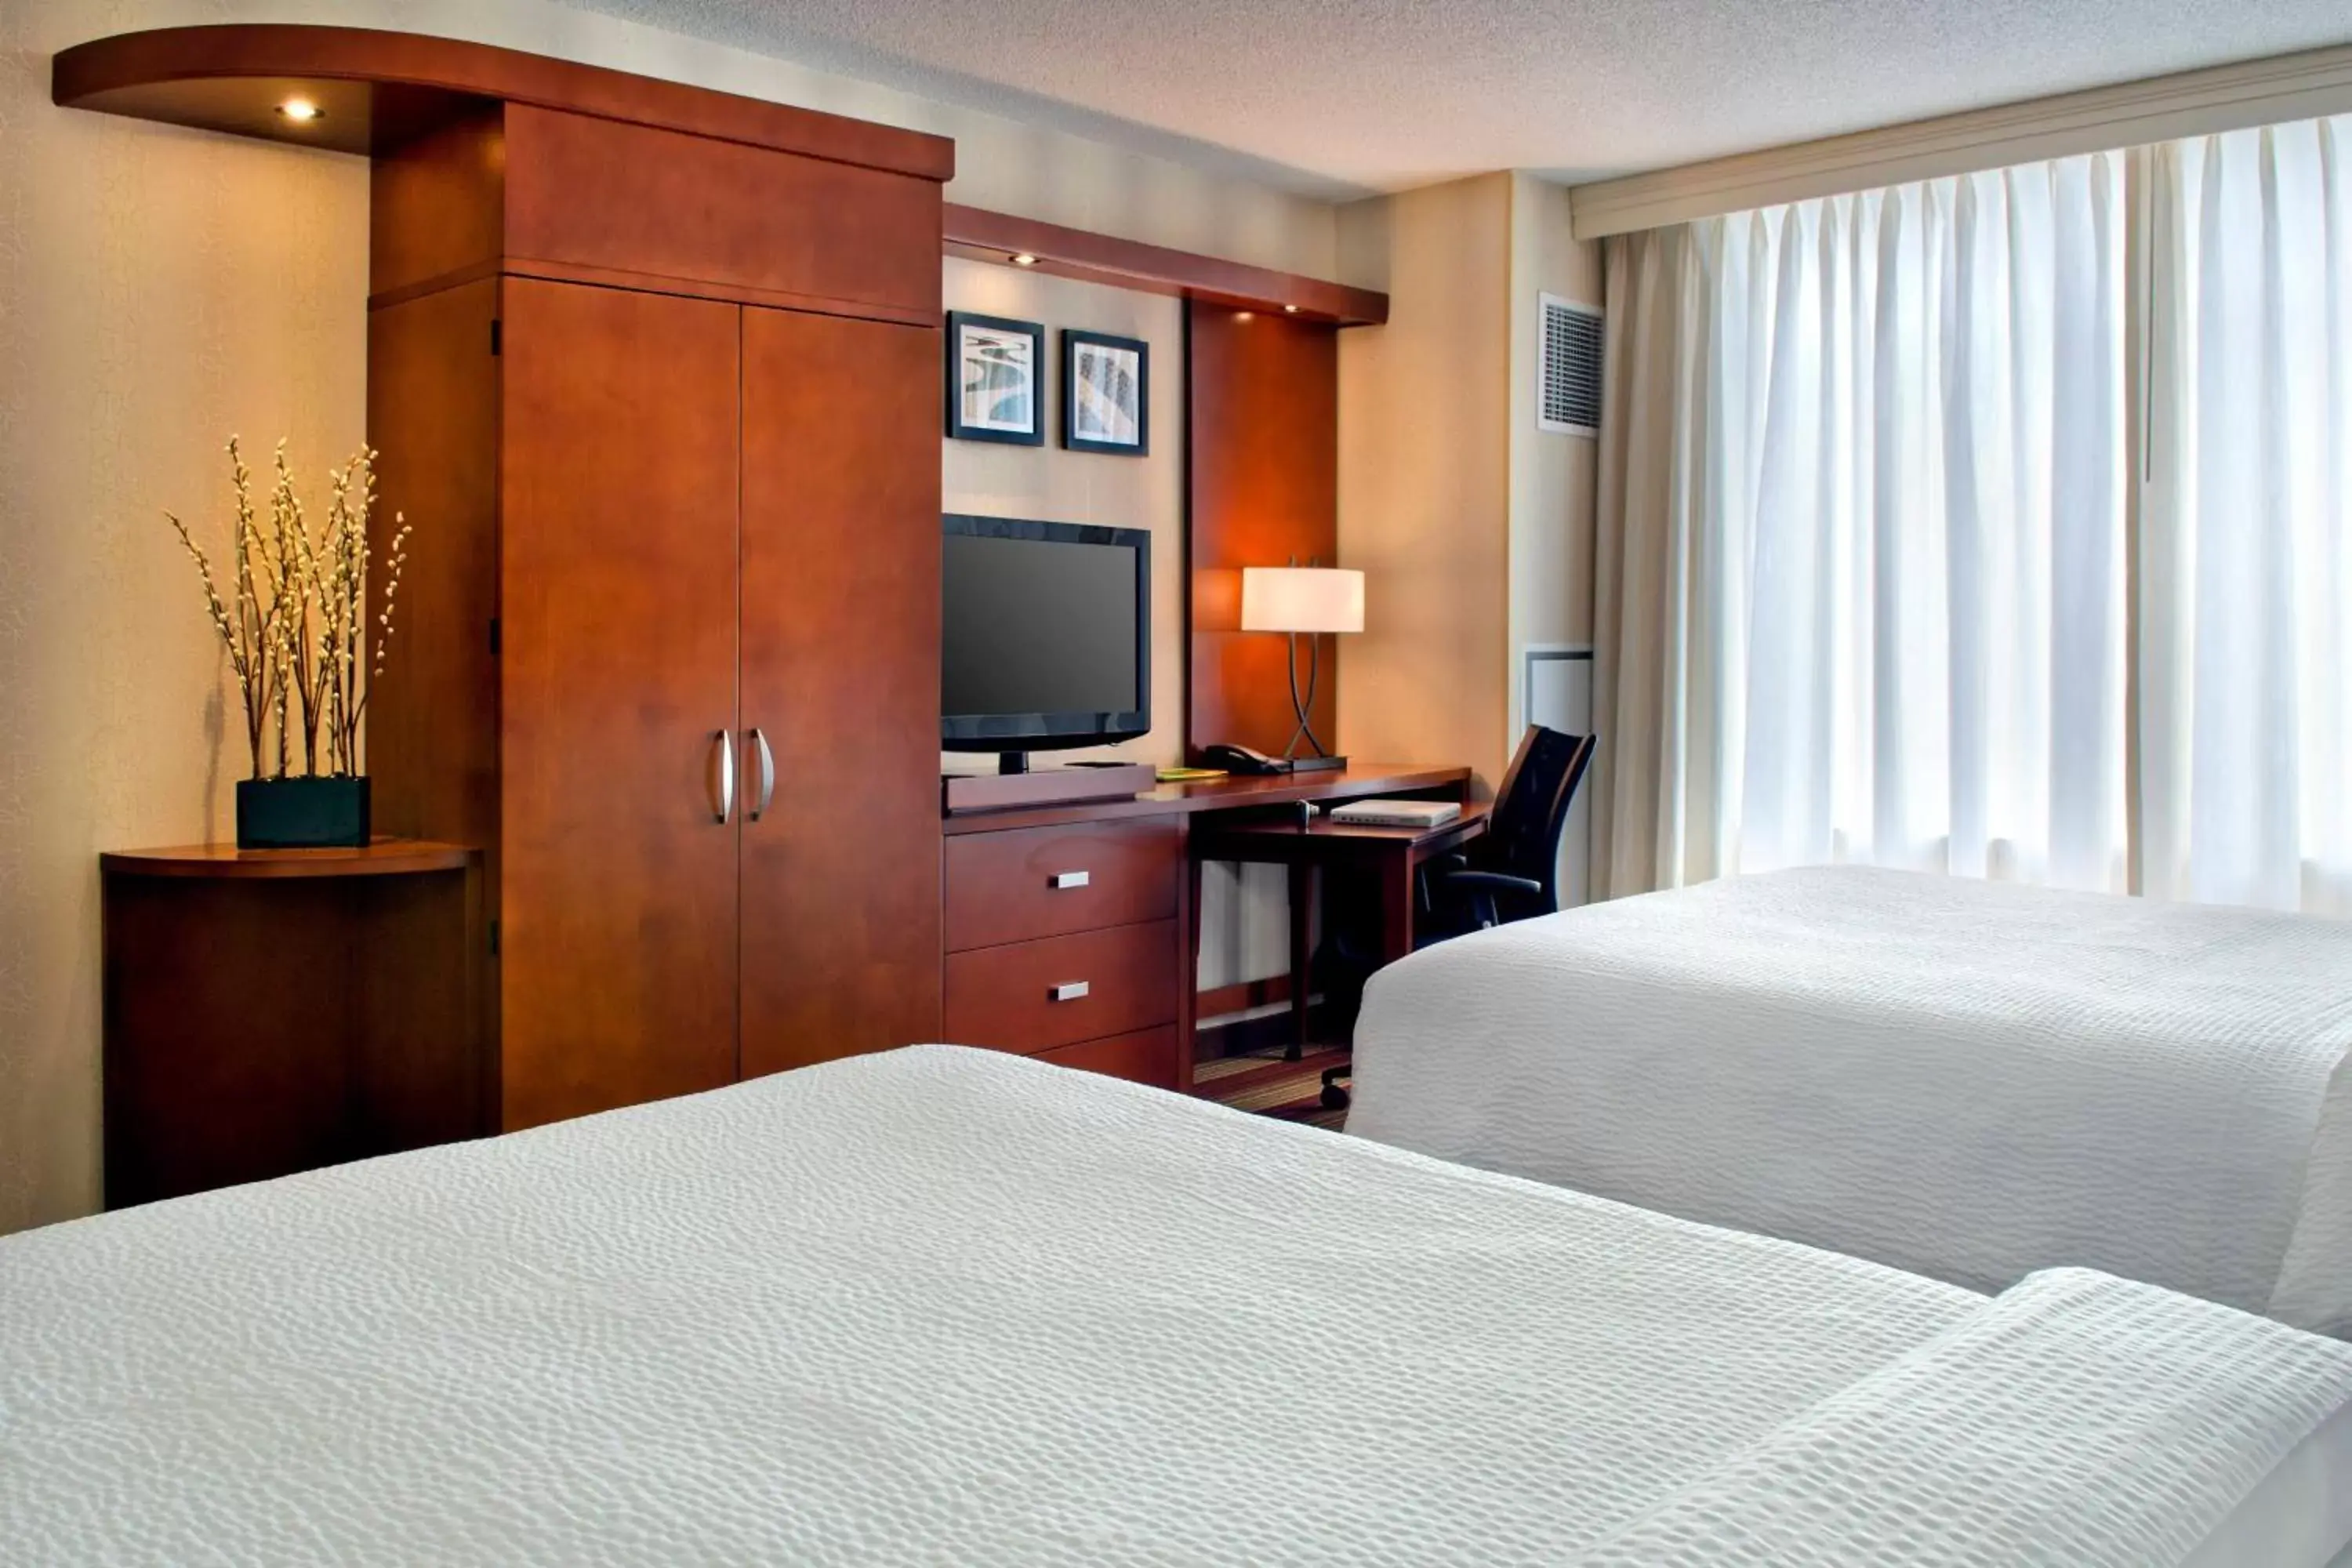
1397,813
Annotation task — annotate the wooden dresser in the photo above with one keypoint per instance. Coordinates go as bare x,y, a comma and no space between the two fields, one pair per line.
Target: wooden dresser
1071,930
1067,943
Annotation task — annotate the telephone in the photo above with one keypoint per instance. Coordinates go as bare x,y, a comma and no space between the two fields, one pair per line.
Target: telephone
1243,760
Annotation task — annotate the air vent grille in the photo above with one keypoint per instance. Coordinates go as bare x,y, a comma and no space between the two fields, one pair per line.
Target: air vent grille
1568,399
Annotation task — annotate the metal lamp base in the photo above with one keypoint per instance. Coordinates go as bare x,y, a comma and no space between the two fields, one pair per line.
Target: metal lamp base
1316,765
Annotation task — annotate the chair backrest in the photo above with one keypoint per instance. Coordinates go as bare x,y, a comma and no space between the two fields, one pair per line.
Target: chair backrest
1531,808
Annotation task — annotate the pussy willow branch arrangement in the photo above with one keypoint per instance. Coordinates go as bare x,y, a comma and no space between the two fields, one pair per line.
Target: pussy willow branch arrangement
246,628
295,627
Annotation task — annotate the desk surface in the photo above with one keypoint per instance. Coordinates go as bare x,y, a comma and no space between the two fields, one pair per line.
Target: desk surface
1282,841
1357,780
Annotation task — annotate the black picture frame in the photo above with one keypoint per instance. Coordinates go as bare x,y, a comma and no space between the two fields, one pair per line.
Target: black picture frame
1074,406
959,323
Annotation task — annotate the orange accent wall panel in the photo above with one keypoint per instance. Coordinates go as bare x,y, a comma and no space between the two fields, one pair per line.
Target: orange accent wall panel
1263,451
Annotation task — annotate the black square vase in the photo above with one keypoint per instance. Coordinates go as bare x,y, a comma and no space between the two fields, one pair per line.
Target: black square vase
303,814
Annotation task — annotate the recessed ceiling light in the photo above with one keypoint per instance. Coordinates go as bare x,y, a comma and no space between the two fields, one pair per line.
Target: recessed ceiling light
1290,309
299,110
1024,259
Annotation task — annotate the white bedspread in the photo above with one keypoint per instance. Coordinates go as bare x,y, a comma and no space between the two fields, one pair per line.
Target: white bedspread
954,1308
1961,1079
2080,1371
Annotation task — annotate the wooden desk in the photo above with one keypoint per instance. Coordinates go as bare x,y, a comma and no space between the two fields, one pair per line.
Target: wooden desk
1072,931
1393,854
1236,793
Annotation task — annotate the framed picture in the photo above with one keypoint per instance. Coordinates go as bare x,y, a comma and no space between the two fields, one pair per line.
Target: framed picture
993,390
1106,393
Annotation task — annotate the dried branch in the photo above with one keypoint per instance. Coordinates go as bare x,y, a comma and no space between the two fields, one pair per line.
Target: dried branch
295,626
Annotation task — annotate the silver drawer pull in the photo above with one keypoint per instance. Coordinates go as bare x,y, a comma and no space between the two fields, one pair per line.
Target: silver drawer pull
1068,991
1069,879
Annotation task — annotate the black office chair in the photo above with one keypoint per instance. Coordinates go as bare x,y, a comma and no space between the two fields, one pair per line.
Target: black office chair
1509,873
1512,872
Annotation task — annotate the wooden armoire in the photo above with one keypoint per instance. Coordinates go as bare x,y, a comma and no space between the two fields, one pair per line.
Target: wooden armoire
664,409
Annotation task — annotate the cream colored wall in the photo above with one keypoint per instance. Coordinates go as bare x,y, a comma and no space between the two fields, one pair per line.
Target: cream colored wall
1553,477
160,288
1474,527
1424,475
1057,486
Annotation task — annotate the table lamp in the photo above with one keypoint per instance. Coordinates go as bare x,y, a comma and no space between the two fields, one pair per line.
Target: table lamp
1303,602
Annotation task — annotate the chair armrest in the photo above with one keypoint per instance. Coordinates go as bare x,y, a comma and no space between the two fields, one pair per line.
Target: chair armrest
1494,882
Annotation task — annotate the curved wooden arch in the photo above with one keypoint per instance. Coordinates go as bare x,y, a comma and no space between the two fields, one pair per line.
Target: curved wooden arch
379,90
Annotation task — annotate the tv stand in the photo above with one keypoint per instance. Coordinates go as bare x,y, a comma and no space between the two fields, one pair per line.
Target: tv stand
1013,787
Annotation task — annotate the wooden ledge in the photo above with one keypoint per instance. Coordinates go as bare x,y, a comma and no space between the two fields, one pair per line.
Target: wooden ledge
384,858
979,235
382,89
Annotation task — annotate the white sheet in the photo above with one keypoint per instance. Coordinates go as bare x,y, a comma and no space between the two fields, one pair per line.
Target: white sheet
2077,1380
938,1305
1962,1079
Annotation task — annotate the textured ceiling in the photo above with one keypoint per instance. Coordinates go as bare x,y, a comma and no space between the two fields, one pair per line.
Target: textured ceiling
1339,97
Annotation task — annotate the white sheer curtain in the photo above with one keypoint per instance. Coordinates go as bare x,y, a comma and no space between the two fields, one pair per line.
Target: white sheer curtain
2246,535
1860,565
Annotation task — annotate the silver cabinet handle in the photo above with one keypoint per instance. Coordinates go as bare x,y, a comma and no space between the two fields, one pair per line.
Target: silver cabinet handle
766,792
1068,991
722,783
1069,879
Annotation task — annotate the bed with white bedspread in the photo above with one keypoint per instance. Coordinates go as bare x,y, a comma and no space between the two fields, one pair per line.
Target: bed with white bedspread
950,1307
1961,1079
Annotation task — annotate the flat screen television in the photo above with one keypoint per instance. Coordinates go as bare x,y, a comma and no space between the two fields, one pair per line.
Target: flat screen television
1047,635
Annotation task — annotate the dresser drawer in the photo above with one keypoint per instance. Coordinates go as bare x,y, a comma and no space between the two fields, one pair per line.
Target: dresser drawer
1030,882
1148,1055
1060,990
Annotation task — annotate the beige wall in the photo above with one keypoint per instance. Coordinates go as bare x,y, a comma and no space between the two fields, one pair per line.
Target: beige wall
160,288
1424,475
1553,477
1046,482
1474,528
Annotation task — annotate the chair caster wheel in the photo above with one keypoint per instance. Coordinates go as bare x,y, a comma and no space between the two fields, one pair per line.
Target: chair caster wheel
1334,1098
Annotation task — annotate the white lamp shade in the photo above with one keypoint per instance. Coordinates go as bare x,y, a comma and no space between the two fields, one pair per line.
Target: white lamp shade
1302,599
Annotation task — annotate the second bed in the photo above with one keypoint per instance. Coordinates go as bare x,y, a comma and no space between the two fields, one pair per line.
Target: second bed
1964,1079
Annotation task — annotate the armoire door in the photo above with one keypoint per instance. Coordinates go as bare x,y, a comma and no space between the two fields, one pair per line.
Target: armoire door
841,688
617,577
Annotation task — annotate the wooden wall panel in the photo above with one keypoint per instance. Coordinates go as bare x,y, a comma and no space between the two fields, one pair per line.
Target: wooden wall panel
1264,455
433,415
436,207
643,209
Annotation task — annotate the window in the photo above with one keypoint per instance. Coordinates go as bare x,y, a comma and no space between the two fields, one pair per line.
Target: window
1873,525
